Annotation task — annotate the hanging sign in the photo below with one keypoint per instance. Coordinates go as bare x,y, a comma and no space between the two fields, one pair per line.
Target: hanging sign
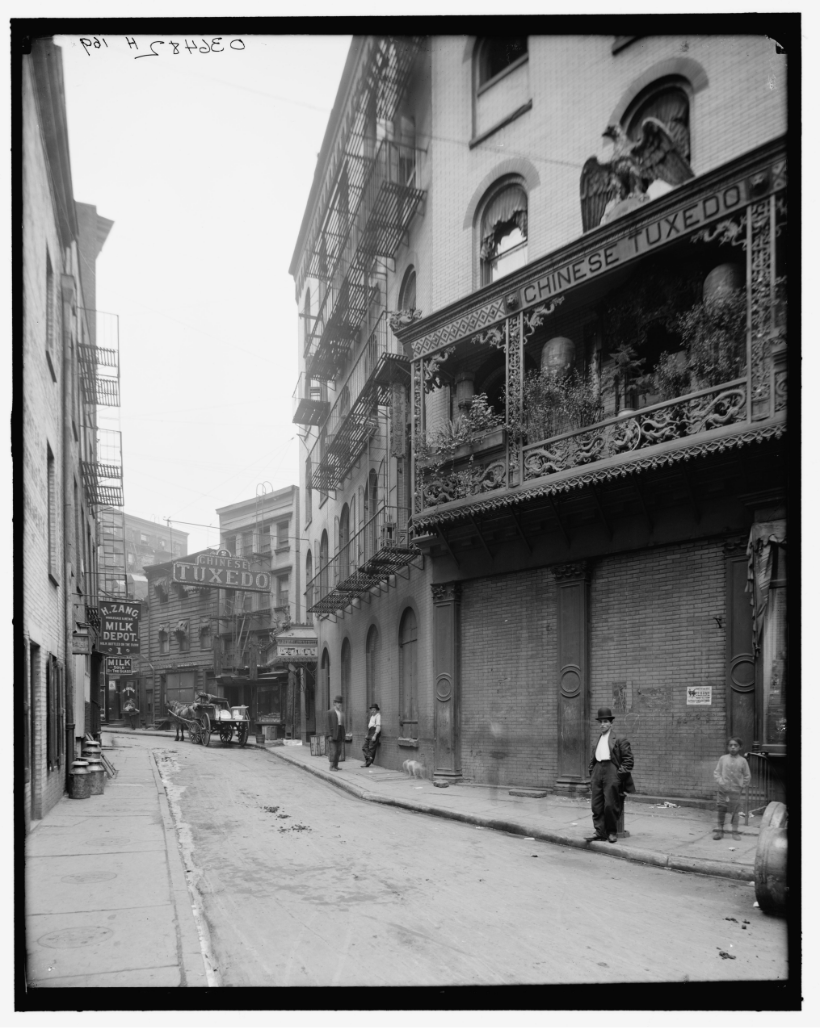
120,627
220,570
119,665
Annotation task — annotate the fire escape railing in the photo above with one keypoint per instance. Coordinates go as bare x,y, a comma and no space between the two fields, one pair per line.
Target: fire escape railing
353,417
389,200
103,478
380,549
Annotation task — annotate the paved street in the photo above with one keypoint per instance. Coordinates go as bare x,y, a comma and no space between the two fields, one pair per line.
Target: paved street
303,884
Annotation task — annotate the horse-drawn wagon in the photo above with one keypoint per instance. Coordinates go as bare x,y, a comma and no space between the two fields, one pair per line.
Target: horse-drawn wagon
211,714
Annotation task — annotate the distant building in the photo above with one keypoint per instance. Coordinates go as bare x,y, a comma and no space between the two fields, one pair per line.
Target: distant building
544,407
148,542
66,373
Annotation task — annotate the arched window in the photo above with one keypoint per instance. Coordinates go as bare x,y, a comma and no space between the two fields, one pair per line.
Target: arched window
495,55
346,679
667,100
344,543
309,579
370,664
503,230
407,294
324,680
323,567
370,505
408,675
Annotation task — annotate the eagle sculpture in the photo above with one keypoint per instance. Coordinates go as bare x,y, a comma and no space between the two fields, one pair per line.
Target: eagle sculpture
634,166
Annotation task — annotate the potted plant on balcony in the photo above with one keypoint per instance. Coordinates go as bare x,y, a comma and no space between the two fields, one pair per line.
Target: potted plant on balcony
558,403
714,337
477,427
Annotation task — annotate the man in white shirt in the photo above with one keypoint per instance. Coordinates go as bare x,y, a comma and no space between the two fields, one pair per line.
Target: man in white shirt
609,768
374,730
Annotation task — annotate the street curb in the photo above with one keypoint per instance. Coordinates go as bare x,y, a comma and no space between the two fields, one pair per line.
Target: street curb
139,734
714,868
191,960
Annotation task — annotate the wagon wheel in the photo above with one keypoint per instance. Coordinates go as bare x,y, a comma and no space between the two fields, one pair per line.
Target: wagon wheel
242,733
194,731
205,728
225,733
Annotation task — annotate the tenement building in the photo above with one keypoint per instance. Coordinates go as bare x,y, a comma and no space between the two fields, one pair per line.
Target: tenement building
66,371
541,285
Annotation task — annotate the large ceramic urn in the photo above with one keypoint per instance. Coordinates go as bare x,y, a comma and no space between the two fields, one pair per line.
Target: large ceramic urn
557,355
722,281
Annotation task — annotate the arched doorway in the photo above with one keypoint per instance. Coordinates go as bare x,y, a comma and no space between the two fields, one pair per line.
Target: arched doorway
408,675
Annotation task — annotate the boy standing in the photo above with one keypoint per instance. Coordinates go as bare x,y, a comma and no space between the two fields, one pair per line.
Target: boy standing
732,775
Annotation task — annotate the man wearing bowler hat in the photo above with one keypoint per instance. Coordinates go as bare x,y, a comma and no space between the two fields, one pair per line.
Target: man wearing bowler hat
335,734
609,768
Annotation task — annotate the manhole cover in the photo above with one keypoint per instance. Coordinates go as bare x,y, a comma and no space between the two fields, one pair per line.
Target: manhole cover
73,938
88,876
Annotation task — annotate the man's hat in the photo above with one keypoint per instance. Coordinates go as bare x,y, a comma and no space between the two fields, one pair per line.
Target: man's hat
604,712
374,706
338,699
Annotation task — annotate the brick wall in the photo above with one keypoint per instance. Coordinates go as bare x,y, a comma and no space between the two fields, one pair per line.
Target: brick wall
652,633
43,597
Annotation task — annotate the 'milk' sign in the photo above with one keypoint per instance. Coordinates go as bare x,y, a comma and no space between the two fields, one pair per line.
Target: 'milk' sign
120,627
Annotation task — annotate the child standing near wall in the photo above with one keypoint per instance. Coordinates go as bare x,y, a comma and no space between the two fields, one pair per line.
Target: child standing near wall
732,775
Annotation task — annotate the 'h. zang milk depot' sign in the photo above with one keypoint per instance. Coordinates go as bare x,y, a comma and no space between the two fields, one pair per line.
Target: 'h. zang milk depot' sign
220,570
119,627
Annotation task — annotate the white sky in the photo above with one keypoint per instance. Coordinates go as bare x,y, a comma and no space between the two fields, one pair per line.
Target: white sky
204,162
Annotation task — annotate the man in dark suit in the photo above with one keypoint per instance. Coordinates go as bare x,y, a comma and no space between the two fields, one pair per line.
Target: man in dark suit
335,733
609,767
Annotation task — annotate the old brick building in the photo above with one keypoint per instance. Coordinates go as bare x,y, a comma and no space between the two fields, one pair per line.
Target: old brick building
60,480
544,408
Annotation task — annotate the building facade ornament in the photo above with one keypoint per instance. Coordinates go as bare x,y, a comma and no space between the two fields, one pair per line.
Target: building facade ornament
446,592
576,569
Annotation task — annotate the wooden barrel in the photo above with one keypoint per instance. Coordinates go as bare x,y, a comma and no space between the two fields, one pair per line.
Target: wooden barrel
771,888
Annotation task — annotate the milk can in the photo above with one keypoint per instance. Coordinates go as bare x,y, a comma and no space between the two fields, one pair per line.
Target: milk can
96,774
79,782
91,749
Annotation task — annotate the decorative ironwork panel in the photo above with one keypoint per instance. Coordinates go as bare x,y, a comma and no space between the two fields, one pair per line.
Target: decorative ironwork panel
471,479
466,325
515,395
701,412
760,302
417,386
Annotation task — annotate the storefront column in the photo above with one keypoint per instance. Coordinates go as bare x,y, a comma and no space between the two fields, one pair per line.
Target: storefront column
572,604
447,670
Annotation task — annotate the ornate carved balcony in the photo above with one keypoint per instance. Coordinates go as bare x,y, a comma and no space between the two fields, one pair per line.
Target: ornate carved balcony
377,552
584,300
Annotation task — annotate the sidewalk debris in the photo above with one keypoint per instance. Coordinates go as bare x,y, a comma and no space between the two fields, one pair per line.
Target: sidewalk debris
666,803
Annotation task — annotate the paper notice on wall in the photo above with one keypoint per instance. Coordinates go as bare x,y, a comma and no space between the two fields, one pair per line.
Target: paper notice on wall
699,696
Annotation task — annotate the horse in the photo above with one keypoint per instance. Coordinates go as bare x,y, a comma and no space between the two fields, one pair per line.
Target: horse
180,710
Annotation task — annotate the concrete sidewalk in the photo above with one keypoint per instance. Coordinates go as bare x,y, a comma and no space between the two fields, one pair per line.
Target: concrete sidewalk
107,902
675,837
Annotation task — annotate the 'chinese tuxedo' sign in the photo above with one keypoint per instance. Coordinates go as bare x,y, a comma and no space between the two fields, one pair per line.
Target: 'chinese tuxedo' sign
120,627
222,571
699,696
119,665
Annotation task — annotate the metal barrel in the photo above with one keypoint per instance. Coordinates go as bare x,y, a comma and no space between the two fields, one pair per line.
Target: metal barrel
771,883
79,782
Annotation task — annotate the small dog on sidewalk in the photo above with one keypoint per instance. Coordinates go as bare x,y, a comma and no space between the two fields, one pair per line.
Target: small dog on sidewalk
414,768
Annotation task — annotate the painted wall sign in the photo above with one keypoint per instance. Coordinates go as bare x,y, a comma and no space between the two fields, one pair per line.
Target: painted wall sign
80,643
120,627
236,576
699,696
119,665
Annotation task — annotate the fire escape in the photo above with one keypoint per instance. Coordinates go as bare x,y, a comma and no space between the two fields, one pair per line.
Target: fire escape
101,459
374,193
